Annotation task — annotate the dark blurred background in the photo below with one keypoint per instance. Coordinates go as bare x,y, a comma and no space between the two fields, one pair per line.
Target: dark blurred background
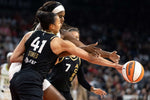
121,25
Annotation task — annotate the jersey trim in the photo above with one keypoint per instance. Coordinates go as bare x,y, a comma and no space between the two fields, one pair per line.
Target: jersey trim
79,61
61,60
73,58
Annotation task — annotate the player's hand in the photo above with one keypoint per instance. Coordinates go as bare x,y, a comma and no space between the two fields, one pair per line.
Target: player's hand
98,91
119,68
114,57
92,49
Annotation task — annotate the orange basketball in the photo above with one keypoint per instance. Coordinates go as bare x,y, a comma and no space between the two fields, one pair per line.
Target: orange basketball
132,71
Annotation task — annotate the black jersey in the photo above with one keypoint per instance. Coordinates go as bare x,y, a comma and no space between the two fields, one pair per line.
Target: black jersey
65,71
38,55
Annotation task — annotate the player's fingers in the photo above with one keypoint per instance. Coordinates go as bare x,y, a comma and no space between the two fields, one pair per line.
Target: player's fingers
98,50
119,70
119,57
95,44
102,96
117,61
105,93
100,92
114,51
96,53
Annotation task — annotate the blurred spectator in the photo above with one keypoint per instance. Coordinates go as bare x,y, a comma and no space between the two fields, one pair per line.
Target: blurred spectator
4,79
77,91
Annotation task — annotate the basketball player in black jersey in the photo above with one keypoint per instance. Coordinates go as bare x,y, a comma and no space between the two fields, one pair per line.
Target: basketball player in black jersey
65,71
40,51
37,60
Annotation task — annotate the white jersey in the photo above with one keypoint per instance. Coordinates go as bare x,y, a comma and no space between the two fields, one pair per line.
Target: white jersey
4,83
15,67
58,34
4,80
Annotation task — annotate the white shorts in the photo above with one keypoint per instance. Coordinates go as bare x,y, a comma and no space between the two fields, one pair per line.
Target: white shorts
15,67
46,84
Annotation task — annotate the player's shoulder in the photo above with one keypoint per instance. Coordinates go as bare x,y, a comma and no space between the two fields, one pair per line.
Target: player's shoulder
28,34
56,40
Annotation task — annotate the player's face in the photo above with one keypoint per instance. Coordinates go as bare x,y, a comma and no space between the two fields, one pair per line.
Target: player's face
61,16
75,34
57,24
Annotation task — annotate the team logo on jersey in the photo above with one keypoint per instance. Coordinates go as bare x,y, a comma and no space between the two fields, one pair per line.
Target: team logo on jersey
66,58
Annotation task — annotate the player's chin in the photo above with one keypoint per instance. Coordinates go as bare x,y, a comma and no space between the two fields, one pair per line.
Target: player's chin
61,24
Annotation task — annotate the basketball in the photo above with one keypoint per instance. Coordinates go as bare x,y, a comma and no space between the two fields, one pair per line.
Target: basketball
132,71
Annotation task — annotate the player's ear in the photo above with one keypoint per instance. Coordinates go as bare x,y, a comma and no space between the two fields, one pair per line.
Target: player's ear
51,26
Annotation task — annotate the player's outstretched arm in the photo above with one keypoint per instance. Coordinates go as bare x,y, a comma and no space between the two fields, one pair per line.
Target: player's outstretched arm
92,48
111,55
58,46
89,48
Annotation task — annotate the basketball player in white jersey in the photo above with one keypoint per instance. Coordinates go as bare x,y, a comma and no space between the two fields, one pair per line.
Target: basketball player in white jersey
4,79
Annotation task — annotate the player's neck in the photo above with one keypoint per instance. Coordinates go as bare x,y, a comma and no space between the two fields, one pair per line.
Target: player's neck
72,56
49,32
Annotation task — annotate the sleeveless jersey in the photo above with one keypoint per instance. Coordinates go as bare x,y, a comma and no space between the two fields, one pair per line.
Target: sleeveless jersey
38,55
64,72
4,78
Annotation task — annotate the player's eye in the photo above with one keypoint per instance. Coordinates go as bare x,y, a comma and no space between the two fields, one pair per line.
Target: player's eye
61,16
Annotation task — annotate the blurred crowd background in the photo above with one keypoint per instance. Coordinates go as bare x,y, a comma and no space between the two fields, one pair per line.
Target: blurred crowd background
121,25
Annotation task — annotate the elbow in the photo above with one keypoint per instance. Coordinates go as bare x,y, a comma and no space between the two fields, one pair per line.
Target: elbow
12,59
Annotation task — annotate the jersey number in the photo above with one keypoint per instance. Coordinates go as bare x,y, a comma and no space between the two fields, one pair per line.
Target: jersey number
35,44
68,67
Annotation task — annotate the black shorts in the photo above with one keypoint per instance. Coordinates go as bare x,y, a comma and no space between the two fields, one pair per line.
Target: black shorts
26,85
